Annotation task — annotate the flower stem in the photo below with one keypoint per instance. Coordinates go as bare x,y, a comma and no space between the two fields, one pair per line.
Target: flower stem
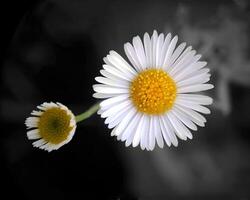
87,113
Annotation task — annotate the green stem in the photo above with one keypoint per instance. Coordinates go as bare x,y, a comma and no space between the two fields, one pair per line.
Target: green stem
93,109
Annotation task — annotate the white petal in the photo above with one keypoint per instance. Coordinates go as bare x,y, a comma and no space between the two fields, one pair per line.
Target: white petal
47,147
112,76
105,89
113,101
113,132
62,107
169,130
190,62
138,46
121,64
197,98
148,49
189,70
183,63
125,123
114,120
157,132
117,73
195,80
164,132
177,53
151,134
194,116
176,126
50,147
193,106
195,88
37,113
159,45
39,143
47,105
33,134
110,61
166,63
184,119
100,111
195,73
114,83
186,51
103,96
165,48
202,76
119,137
131,54
153,46
144,134
182,127
40,107
115,109
129,131
32,122
138,132
181,131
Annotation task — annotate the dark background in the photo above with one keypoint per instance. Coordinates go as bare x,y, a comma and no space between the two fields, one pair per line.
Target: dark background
53,49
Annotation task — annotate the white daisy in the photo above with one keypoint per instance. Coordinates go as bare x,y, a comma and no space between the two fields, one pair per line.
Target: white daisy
52,126
153,100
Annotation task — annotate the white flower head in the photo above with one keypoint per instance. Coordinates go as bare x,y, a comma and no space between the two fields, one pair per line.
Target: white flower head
153,100
52,126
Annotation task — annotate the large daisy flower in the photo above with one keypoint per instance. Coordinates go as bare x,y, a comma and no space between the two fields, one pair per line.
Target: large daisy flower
52,126
153,99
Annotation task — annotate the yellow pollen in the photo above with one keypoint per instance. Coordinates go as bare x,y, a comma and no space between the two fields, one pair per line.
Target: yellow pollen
54,125
153,91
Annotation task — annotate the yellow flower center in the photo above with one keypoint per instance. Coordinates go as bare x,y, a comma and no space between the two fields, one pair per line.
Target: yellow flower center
54,125
153,91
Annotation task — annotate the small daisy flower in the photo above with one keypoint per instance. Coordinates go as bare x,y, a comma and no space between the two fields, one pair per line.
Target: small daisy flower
153,100
52,126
